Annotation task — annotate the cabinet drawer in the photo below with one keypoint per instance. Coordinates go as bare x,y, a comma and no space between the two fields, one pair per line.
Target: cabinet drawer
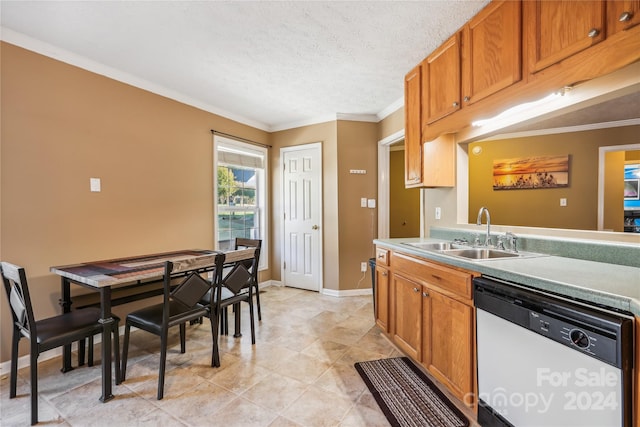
382,256
447,279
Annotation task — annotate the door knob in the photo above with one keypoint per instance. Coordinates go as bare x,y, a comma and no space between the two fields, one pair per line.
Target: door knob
315,227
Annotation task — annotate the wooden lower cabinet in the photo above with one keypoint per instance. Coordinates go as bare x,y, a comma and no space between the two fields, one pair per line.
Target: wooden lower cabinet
382,297
447,342
407,331
433,322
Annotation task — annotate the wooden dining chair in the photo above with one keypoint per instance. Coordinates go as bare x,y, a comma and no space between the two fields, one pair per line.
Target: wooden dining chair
179,306
44,334
252,243
230,291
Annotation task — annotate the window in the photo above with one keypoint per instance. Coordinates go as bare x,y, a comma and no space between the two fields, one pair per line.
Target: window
240,194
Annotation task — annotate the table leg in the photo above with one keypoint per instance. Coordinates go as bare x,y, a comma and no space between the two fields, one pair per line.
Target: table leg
236,311
65,303
107,323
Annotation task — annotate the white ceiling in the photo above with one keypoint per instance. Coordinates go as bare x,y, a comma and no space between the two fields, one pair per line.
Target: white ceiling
270,64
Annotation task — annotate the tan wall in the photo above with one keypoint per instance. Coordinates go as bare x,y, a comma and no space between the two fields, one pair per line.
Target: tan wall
325,133
404,203
541,208
613,218
62,125
357,142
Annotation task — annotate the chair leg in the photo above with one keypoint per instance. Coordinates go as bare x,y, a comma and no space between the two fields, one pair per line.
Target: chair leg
253,327
116,350
215,354
34,385
224,322
90,355
14,363
183,344
125,352
81,350
163,364
257,291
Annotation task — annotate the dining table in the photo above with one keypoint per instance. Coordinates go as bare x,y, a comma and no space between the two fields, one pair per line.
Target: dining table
105,276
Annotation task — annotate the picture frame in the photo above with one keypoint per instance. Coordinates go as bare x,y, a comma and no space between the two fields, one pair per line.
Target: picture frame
632,189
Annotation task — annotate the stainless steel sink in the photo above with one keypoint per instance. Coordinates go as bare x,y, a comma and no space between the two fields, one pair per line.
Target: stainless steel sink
481,253
468,252
435,246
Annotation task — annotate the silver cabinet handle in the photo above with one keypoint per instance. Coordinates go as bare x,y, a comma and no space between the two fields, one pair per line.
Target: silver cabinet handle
315,227
625,16
455,103
467,98
416,290
425,294
384,273
593,33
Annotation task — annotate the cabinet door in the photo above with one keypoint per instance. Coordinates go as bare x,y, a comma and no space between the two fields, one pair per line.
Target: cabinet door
441,81
440,162
448,342
622,15
559,29
382,298
413,128
408,316
491,58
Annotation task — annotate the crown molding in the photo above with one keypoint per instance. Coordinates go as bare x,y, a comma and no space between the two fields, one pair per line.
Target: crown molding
372,118
395,106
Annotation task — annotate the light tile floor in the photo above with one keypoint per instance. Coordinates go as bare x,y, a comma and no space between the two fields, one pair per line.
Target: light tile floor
299,373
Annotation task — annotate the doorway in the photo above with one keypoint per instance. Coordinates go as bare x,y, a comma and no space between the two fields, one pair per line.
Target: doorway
302,208
391,195
611,161
404,203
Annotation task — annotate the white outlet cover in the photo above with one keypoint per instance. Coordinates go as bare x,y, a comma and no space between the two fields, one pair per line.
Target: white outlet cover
94,184
371,203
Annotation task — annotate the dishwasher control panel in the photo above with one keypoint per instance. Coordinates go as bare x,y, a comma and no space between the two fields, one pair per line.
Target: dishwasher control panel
579,337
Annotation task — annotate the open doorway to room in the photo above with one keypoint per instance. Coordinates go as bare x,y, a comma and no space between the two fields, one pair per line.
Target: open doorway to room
400,209
404,203
618,209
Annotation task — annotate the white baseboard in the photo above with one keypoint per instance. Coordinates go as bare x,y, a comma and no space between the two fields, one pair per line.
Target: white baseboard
346,293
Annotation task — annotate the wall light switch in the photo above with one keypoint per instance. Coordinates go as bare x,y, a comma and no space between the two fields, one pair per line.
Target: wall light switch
363,202
94,184
371,203
563,202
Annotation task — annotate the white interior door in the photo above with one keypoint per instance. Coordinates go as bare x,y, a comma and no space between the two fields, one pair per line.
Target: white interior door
302,196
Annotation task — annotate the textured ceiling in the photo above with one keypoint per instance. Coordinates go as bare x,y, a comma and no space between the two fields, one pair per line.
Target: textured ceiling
272,65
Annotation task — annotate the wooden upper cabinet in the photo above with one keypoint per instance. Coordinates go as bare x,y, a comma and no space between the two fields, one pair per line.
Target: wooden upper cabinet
622,15
555,30
412,129
491,50
441,81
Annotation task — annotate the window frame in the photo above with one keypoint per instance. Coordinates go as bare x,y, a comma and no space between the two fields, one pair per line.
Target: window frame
262,191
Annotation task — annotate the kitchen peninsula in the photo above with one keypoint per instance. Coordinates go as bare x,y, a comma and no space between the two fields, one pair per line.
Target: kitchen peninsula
452,308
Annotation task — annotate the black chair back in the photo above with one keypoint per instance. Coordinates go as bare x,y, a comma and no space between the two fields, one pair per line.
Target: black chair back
15,284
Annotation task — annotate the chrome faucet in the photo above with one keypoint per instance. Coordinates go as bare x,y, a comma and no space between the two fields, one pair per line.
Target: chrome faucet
487,239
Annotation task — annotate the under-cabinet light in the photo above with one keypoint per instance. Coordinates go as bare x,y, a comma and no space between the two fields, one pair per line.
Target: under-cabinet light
520,108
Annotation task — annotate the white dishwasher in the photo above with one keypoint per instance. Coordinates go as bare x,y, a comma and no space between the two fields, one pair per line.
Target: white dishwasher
547,361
